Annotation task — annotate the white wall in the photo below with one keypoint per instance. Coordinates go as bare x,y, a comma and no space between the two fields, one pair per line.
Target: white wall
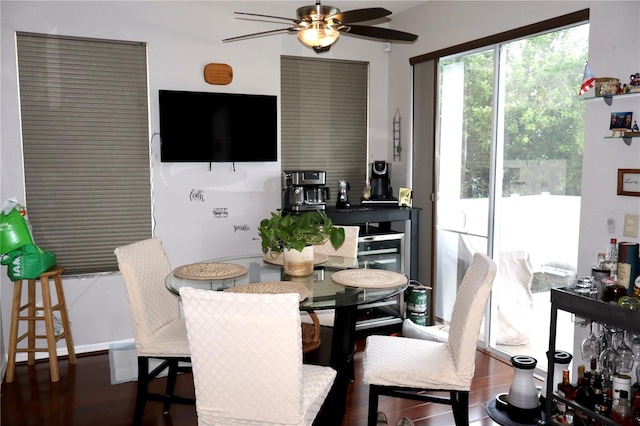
182,37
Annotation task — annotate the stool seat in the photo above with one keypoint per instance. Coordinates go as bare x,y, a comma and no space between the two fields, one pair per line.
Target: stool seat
32,316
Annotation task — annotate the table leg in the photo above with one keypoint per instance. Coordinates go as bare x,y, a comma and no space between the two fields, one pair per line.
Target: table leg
342,352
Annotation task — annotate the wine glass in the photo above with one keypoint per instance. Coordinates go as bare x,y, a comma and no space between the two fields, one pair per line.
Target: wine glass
626,355
609,357
591,345
635,346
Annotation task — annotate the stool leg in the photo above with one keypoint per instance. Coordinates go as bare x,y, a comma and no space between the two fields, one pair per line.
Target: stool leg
13,332
51,335
64,317
31,322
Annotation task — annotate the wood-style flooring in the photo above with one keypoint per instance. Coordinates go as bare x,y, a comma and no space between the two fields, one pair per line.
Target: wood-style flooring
85,397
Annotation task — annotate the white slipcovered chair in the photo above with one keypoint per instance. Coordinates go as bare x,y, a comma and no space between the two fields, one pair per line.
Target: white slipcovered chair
246,351
349,250
158,329
411,368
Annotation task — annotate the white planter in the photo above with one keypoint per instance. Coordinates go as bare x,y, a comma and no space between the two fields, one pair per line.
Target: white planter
298,263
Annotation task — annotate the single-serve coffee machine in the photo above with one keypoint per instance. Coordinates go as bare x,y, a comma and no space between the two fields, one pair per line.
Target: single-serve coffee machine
381,181
304,190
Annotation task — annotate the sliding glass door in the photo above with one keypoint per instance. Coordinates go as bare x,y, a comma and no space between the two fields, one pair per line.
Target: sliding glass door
508,172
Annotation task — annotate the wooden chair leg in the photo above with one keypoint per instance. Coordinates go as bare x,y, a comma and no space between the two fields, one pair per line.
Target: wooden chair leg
171,384
141,393
373,406
460,407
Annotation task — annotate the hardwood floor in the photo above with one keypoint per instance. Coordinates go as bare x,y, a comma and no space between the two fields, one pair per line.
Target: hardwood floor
84,396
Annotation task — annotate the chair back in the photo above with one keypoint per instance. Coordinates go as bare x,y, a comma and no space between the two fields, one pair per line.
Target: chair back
246,353
468,312
144,266
350,247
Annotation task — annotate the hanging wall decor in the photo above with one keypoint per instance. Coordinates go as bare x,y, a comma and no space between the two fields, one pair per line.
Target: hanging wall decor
221,74
397,148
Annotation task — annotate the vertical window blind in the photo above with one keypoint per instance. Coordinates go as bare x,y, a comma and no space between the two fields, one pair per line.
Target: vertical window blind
84,112
324,119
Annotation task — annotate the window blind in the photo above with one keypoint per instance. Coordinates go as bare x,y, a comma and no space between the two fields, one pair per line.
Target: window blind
84,111
324,120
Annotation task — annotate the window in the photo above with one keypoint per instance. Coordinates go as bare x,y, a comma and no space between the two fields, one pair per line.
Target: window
85,131
506,144
324,118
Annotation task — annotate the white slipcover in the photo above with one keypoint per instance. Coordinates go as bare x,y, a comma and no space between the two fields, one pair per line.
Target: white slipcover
158,329
431,365
349,249
246,353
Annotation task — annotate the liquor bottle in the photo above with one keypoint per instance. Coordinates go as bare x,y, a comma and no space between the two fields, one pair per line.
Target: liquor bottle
584,397
566,389
613,290
621,412
611,258
600,262
598,394
584,394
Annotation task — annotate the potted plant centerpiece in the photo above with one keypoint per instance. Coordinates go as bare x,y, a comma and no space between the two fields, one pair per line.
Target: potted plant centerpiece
295,235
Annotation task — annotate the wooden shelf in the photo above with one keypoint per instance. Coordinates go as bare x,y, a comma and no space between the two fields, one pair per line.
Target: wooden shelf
608,99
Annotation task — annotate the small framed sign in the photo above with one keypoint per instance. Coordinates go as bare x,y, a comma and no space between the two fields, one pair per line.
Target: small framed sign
629,182
620,120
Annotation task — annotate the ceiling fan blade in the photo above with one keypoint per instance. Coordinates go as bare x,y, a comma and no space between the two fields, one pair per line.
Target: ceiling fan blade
378,32
295,21
360,15
257,34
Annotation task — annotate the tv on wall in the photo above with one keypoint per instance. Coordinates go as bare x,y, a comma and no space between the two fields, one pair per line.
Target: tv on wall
217,127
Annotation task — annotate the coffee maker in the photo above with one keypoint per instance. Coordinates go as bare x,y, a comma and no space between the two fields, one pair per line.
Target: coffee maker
304,190
381,181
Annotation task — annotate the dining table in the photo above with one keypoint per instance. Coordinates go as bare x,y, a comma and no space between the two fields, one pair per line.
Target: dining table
337,283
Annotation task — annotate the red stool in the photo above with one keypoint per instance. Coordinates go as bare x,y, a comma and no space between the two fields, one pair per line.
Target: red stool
31,317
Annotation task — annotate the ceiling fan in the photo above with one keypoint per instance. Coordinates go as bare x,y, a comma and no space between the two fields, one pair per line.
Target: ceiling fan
320,26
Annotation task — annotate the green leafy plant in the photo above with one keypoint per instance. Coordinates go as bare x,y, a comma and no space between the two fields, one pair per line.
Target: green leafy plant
292,231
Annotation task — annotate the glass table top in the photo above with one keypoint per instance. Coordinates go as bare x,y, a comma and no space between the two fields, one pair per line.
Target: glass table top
324,292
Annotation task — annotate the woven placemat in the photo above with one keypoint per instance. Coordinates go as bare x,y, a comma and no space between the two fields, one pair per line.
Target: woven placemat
275,287
209,271
278,258
369,278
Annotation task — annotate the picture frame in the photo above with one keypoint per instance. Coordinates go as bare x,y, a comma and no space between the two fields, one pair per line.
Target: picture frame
404,197
621,120
629,182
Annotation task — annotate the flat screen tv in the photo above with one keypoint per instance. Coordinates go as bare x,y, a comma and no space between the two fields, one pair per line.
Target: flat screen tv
217,127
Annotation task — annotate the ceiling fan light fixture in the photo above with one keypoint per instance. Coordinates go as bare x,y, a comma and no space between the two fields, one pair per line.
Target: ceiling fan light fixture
318,34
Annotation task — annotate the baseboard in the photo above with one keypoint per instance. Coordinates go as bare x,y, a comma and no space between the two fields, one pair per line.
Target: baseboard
62,351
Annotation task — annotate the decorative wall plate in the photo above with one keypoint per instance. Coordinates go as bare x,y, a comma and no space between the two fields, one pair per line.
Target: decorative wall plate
209,271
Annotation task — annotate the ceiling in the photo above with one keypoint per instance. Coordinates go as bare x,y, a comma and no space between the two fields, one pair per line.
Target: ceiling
288,7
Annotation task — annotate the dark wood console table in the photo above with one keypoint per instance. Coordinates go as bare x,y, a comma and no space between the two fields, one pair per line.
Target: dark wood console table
382,215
